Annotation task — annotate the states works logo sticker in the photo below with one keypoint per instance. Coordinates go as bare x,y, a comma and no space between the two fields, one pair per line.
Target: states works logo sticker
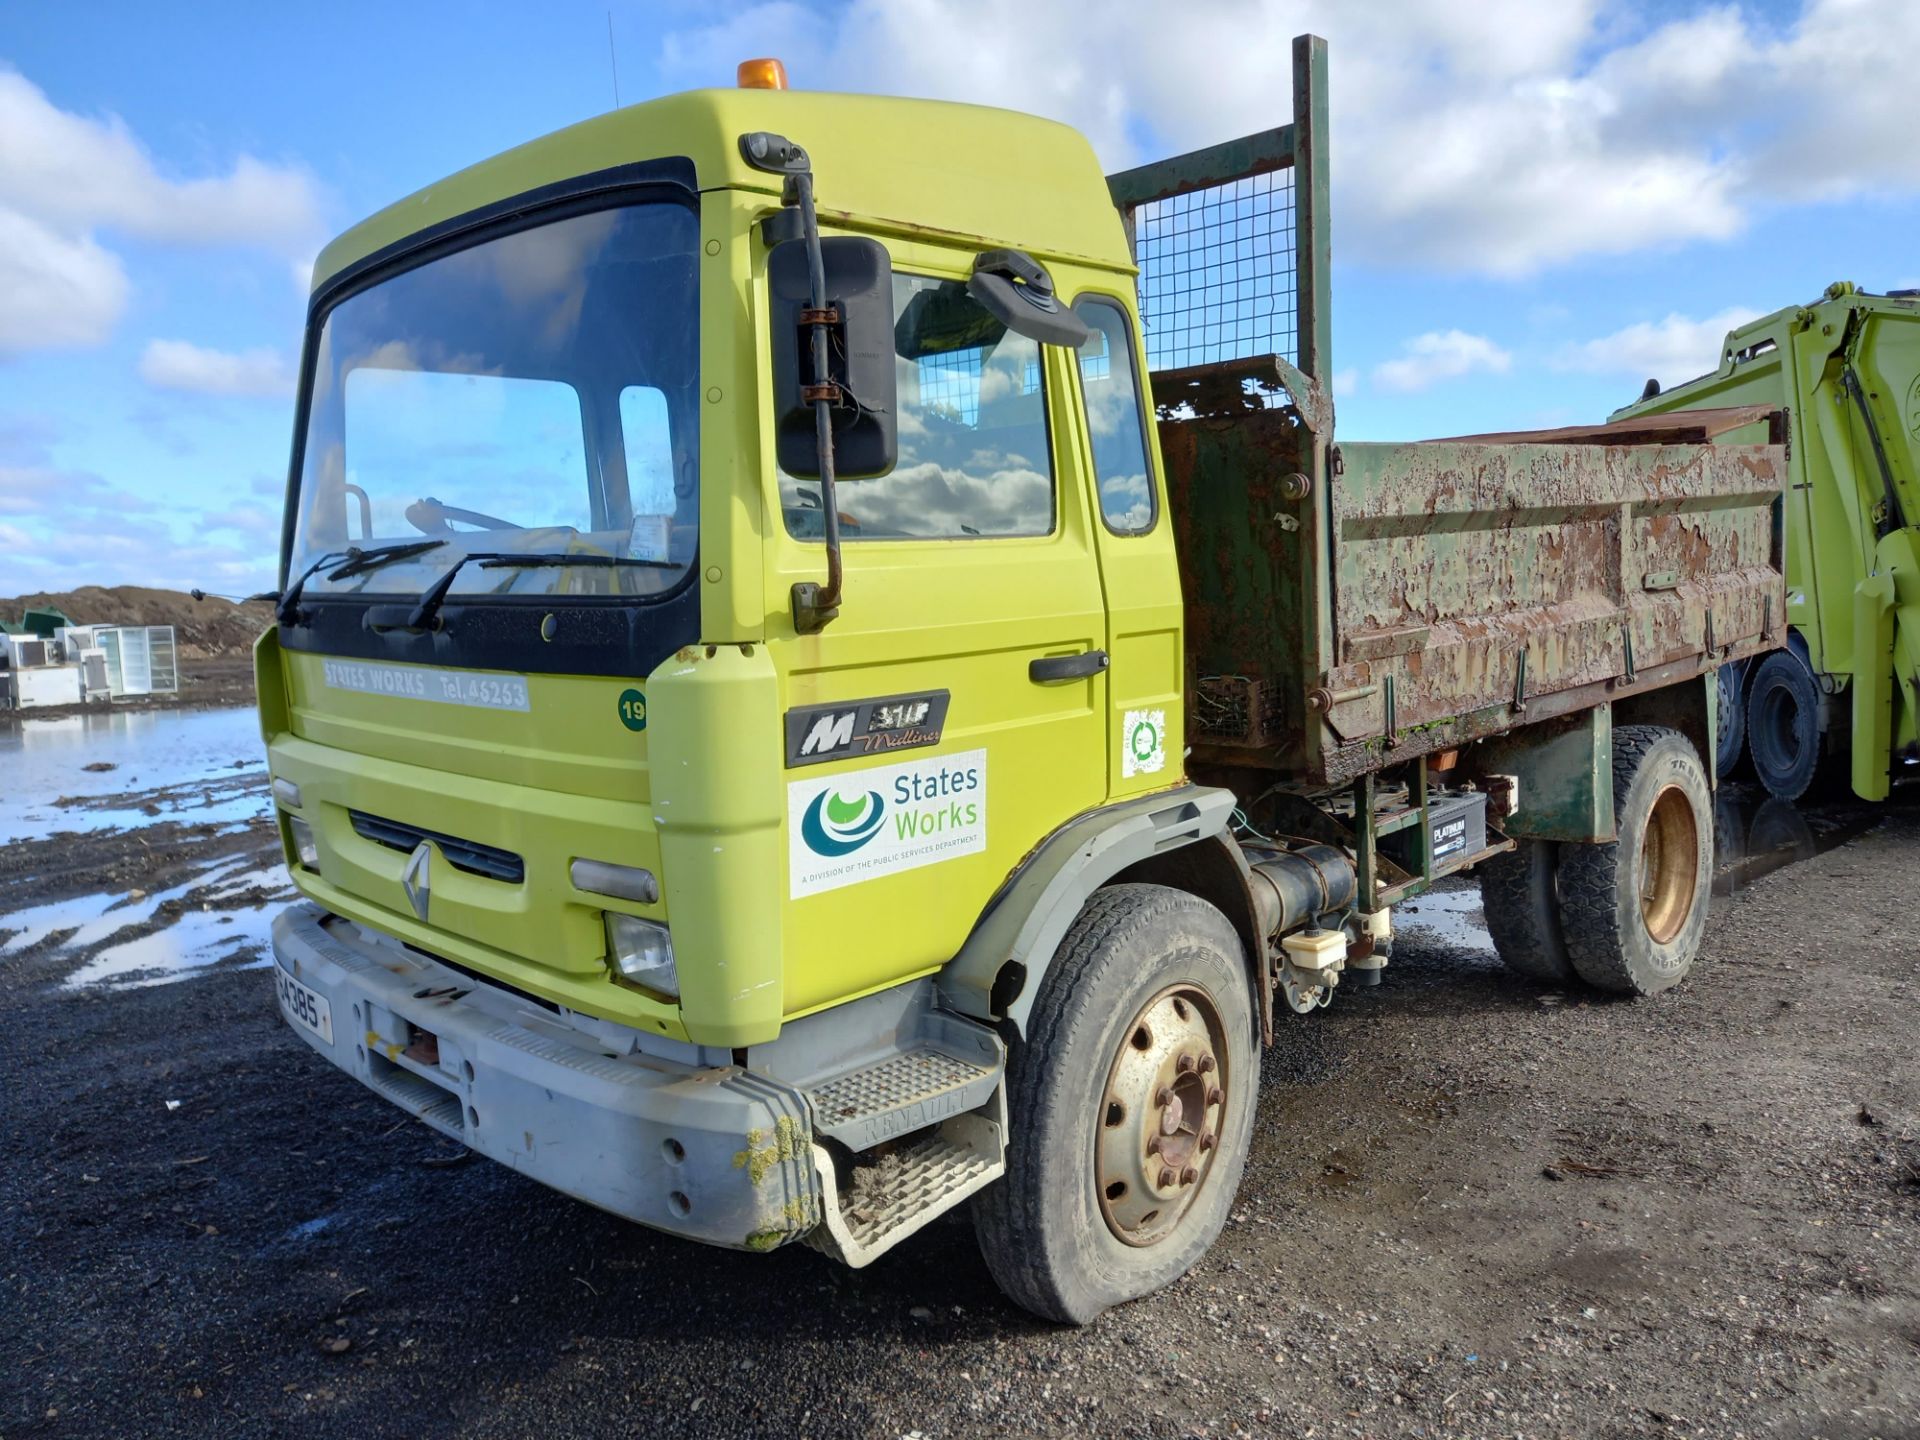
835,825
867,823
1143,743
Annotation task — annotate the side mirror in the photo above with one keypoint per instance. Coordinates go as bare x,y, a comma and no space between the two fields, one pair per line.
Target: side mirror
859,290
1016,290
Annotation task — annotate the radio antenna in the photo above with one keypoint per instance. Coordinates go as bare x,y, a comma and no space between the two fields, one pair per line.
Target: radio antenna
613,59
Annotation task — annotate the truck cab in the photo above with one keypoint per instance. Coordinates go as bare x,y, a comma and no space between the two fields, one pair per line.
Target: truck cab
604,771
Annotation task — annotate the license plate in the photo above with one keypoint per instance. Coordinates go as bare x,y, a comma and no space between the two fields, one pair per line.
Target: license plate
305,1007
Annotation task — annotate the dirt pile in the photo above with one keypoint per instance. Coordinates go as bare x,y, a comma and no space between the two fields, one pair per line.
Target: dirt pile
208,629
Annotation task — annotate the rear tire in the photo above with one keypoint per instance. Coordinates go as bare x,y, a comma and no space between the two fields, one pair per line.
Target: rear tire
1633,910
1733,717
1519,893
1148,996
1783,725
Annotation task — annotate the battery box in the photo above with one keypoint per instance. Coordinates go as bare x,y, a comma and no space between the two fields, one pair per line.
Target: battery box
1457,823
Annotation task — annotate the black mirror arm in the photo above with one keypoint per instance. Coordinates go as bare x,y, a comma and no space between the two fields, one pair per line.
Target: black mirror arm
1016,290
815,605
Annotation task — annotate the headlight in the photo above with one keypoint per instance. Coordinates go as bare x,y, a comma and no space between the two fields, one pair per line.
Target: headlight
642,951
304,848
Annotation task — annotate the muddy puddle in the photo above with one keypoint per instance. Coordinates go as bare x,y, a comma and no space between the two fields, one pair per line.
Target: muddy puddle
121,769
136,847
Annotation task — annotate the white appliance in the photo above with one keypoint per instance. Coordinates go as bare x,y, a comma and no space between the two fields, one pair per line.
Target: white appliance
47,685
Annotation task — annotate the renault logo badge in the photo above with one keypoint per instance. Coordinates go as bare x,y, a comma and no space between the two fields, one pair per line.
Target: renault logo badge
417,878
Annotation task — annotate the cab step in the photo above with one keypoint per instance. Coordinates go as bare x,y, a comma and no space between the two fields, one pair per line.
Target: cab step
951,1068
904,1128
901,1191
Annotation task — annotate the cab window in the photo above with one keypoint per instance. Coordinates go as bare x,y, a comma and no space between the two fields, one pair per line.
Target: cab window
1116,420
976,461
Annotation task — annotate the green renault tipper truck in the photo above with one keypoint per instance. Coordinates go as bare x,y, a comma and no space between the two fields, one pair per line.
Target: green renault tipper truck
1844,696
831,665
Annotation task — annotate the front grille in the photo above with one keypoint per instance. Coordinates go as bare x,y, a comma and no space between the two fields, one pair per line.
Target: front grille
467,855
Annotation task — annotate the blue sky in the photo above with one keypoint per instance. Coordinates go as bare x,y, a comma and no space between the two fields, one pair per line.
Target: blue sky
1536,205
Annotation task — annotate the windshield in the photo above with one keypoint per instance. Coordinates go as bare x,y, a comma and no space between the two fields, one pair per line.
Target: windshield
534,394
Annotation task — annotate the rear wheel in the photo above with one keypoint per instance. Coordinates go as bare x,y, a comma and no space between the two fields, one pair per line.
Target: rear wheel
1518,892
1130,1106
1733,716
1783,725
1633,910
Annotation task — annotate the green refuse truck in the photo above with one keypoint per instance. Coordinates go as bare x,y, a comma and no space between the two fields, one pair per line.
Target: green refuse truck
1840,704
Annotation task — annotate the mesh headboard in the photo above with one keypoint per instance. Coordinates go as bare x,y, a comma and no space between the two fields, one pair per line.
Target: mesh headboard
1231,240
1217,275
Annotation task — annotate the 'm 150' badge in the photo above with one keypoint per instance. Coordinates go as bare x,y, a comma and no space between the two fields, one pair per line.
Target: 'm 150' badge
633,710
865,727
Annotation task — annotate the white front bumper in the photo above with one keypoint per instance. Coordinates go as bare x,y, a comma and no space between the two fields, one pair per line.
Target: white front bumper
717,1154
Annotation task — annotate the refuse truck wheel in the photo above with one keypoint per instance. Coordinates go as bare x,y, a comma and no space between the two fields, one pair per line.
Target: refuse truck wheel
1783,725
1519,894
1732,738
1633,910
1130,1105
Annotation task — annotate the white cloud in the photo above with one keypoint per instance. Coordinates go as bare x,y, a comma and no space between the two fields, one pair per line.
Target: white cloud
41,489
103,546
66,178
1440,355
1670,350
182,365
76,172
55,290
1345,383
1500,138
254,523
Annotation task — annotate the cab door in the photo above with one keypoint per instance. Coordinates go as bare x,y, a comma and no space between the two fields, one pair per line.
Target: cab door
956,711
1140,574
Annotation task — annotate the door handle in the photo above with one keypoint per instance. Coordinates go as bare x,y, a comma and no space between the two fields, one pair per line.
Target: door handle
1066,667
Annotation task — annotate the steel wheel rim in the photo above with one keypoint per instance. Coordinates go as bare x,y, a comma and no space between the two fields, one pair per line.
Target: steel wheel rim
1669,864
1157,1129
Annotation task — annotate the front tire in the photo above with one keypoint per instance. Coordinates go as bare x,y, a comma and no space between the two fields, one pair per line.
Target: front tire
1633,911
1130,1107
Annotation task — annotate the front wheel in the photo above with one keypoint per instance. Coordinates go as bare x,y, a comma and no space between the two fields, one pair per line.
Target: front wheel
1130,1106
1633,911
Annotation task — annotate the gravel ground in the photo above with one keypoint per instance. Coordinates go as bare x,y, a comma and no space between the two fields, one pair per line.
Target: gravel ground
1473,1210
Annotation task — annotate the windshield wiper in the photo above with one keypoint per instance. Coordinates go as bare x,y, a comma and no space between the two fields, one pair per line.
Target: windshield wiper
287,608
287,612
359,561
421,616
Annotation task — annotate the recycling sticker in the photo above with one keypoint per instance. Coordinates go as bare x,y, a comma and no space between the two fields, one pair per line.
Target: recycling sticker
1143,747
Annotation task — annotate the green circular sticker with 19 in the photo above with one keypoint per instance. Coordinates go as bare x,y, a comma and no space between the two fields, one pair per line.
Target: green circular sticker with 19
633,710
